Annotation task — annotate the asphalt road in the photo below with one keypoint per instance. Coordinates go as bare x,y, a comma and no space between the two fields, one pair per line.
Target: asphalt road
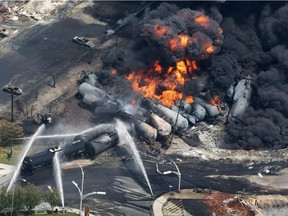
42,50
127,190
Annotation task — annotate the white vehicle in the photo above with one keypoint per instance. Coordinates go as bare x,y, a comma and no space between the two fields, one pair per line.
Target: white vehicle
83,41
109,32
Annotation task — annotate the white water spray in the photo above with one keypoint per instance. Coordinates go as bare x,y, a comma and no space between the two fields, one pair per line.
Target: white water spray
49,136
58,176
123,133
23,155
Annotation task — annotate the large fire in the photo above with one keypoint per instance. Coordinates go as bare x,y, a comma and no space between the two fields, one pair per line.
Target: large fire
168,81
184,46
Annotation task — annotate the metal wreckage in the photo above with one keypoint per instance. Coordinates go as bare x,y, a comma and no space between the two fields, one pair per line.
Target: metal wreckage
151,121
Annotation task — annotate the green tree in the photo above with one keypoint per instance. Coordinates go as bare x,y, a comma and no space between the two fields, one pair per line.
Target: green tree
52,197
4,202
32,196
8,198
9,130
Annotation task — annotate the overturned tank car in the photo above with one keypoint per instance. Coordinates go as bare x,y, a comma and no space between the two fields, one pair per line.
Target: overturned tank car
241,96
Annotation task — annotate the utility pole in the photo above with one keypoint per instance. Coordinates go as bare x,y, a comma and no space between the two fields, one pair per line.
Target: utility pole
13,192
12,107
12,90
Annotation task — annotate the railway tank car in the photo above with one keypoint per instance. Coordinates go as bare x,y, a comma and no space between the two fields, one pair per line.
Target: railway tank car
102,143
89,143
37,161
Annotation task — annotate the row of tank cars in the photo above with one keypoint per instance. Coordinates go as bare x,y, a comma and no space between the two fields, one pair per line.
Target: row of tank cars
98,139
89,143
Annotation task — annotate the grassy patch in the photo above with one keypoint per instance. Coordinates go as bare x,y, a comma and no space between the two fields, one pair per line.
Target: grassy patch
4,151
3,155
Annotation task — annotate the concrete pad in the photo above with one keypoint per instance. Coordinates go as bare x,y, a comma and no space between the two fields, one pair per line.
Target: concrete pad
5,169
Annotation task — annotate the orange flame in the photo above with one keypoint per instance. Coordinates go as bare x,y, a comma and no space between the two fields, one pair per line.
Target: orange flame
169,97
217,102
203,20
165,83
160,30
183,40
173,44
133,102
210,49
157,67
189,99
181,67
147,82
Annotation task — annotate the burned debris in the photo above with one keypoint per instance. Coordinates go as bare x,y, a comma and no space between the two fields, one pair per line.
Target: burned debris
152,121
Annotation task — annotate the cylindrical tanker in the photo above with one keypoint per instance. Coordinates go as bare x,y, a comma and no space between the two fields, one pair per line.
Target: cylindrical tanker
102,143
78,146
146,131
86,88
90,142
90,78
92,100
75,150
38,160
93,133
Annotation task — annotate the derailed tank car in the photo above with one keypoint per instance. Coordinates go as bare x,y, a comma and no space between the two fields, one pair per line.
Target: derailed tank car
75,150
37,161
102,143
89,143
241,98
78,147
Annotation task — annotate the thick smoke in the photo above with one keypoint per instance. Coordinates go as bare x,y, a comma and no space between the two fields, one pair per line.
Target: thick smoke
265,124
182,34
168,34
274,26
256,46
241,52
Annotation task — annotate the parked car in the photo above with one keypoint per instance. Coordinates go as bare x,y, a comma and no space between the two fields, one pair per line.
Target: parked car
12,90
4,32
83,41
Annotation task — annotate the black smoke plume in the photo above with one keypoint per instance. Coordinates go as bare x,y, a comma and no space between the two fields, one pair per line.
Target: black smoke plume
254,43
165,26
265,124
